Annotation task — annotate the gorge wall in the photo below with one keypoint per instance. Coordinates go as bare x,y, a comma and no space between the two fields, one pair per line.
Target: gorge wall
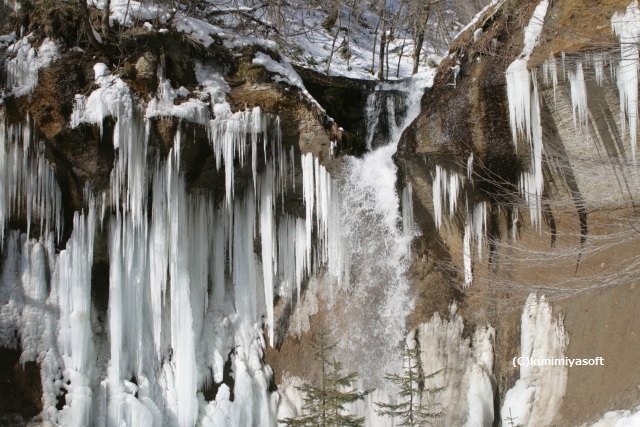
183,213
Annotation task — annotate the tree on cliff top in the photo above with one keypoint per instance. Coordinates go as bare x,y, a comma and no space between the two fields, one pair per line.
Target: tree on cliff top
325,404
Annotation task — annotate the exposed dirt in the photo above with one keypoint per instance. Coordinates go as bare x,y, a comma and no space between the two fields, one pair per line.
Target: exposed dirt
20,386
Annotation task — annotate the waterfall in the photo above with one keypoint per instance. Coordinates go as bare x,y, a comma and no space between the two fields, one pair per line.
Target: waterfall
192,282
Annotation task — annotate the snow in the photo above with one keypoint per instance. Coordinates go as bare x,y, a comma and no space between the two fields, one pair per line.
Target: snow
536,397
494,4
286,74
199,30
621,418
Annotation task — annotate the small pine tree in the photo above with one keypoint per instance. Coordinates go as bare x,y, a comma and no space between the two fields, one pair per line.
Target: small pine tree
512,420
411,410
324,405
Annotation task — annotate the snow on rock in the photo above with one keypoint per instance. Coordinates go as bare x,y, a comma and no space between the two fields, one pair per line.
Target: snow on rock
537,395
197,29
621,418
467,369
494,4
286,74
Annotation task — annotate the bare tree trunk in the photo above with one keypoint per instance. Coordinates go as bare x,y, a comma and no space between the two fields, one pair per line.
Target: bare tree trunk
383,44
404,40
373,56
332,17
333,48
417,47
105,21
386,53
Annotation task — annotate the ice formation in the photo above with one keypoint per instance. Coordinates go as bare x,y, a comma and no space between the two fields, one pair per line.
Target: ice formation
475,230
28,181
524,112
578,97
627,27
537,395
467,369
550,74
24,63
599,60
446,190
407,210
183,270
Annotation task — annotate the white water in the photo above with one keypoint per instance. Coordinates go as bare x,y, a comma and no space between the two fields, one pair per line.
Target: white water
373,317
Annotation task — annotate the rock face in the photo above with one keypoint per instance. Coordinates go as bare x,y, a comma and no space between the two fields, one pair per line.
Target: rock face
589,181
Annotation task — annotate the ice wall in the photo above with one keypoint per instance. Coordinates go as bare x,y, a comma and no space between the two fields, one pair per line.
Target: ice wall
190,298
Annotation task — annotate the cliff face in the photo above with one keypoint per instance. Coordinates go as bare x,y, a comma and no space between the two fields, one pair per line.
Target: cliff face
568,241
553,212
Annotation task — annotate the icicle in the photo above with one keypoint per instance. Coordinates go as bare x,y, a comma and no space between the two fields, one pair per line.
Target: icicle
470,167
550,74
578,97
268,244
532,182
466,245
308,192
182,335
519,95
407,210
598,66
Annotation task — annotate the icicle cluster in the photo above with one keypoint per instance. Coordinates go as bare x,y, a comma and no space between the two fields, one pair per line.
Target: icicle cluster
21,69
475,230
27,182
627,27
524,111
578,97
446,189
332,248
188,291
